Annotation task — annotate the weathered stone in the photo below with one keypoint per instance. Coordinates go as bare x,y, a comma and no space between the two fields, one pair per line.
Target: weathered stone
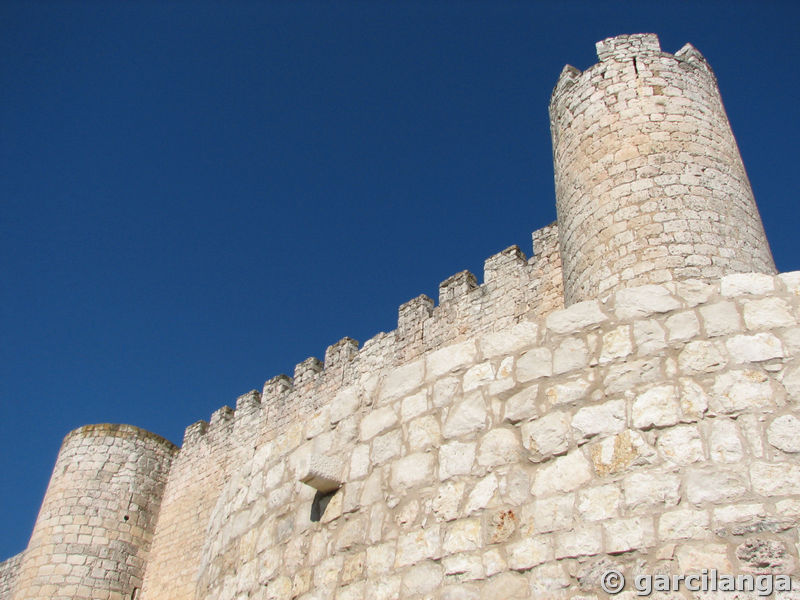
481,494
553,513
642,301
765,556
535,363
623,535
467,416
547,579
582,541
528,553
421,579
463,535
567,392
721,318
791,382
493,562
701,357
446,503
456,458
344,404
467,567
767,313
386,447
736,391
683,524
617,453
681,445
402,380
380,559
650,336
418,545
521,406
450,358
385,588
784,433
578,317
377,421
775,479
724,444
478,375
501,525
694,400
325,473
645,489
509,341
754,348
424,433
708,486
411,470
602,419
737,284
693,558
498,447
571,354
547,436
682,326
616,344
562,474
599,503
414,405
657,407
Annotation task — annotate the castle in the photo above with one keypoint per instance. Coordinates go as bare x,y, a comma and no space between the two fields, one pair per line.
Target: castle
626,399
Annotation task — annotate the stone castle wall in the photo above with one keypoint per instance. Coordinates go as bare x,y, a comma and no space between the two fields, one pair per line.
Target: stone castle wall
656,430
495,445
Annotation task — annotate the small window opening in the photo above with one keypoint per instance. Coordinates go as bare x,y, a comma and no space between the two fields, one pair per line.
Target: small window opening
635,68
319,504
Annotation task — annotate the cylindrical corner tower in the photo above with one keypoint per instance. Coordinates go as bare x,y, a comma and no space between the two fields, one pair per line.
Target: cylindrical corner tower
650,186
97,518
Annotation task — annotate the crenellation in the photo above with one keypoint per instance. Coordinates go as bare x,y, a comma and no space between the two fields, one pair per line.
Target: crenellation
623,398
456,286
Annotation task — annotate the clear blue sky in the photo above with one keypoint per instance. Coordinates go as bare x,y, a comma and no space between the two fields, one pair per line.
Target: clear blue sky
197,196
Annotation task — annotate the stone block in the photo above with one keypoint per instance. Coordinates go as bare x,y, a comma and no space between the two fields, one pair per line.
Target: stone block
602,419
412,470
623,535
498,447
657,407
754,348
634,303
466,416
456,458
784,433
535,363
599,503
450,359
547,436
738,284
711,485
324,473
681,445
721,318
562,474
767,313
578,317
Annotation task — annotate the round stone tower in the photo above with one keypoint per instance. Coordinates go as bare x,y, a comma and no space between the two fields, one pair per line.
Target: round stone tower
650,186
94,528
